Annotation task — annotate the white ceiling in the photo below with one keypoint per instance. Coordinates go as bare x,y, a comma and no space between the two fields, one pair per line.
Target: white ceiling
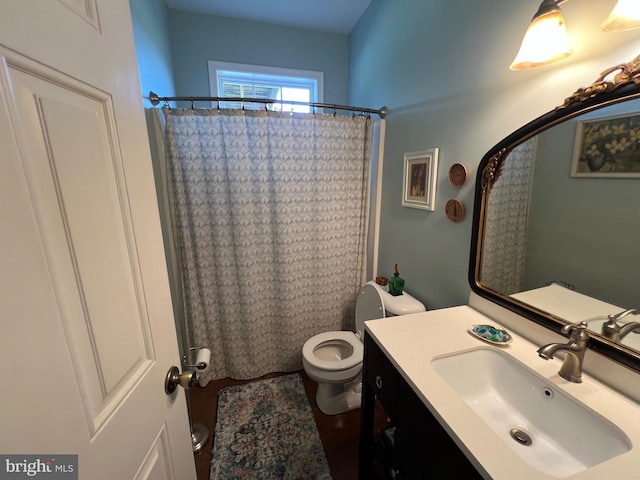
327,15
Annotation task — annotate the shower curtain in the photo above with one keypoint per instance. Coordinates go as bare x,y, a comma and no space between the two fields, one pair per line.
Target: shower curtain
270,214
505,244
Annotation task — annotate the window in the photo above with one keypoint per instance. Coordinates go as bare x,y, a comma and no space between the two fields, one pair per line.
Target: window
255,81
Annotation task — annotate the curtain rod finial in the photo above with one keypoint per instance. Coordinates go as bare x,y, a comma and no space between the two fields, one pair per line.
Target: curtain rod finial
153,97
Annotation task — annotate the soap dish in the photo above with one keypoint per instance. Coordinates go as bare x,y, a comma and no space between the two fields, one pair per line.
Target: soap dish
491,334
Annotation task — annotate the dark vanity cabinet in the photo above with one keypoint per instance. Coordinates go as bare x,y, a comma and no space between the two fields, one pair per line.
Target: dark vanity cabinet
399,437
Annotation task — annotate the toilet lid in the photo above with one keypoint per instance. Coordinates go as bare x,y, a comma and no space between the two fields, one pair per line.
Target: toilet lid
369,306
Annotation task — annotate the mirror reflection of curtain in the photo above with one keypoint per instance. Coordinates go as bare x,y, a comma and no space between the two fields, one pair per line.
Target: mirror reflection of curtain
270,213
504,251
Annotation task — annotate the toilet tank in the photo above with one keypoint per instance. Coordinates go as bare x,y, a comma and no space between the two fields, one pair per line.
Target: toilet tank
375,301
403,304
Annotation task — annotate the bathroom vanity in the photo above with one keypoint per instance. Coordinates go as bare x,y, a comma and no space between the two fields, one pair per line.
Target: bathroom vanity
402,453
438,430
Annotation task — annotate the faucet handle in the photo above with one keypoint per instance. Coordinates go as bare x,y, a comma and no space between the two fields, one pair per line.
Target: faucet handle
618,316
578,332
612,320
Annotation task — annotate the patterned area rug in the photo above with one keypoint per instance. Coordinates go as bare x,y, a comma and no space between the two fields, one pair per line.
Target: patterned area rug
266,430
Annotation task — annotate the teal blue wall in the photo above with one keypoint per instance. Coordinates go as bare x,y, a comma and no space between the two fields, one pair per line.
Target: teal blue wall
153,46
441,67
150,20
196,39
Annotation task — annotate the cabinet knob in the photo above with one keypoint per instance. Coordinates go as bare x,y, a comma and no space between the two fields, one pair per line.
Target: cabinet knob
378,381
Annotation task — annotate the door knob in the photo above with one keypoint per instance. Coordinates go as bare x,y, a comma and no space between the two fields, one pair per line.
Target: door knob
175,378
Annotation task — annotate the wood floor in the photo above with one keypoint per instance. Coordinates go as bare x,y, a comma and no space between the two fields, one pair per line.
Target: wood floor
339,433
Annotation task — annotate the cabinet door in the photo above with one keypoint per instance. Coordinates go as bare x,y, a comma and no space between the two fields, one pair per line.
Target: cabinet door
422,448
381,376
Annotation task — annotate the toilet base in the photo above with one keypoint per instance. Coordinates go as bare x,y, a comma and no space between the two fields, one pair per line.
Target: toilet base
336,398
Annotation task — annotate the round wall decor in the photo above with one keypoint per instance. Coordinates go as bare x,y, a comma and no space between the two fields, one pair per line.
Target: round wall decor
457,175
454,210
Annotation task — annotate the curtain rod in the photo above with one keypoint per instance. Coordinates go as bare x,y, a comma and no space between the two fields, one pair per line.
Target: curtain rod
155,100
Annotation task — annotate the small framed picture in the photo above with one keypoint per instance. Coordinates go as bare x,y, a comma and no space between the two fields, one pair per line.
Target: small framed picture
608,147
420,172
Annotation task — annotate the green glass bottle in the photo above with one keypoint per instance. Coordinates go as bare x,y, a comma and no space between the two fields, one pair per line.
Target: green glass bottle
396,283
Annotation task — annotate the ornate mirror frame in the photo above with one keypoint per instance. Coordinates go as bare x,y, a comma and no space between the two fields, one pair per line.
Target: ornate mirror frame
624,85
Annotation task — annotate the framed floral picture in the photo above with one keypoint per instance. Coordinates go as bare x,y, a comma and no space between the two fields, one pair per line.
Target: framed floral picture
607,147
419,181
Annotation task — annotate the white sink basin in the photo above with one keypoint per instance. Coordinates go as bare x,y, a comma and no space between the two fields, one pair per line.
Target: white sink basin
546,427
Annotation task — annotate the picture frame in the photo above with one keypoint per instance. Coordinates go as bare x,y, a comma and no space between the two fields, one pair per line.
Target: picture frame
607,147
419,179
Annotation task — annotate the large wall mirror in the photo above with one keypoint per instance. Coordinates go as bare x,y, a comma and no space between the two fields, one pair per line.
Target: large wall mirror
557,215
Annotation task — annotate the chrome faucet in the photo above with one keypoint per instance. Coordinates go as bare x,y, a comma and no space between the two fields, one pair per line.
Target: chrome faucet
614,331
572,366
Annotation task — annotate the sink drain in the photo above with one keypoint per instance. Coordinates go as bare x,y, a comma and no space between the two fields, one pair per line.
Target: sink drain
520,436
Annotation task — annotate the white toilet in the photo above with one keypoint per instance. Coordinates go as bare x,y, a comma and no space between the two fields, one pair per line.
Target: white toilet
334,359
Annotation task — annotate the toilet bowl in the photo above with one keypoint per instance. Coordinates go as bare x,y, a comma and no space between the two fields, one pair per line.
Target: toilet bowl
334,359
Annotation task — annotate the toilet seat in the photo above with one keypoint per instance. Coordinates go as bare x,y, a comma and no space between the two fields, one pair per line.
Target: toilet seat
333,365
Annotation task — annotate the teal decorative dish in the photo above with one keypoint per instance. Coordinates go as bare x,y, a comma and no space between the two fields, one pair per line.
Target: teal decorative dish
490,334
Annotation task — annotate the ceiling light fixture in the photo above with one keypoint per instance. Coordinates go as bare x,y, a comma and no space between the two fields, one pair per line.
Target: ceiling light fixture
546,39
624,16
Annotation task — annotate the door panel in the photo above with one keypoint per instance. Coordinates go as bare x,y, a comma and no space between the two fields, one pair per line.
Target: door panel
79,194
85,9
157,463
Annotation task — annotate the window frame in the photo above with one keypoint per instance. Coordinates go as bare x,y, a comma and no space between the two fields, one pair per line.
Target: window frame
261,72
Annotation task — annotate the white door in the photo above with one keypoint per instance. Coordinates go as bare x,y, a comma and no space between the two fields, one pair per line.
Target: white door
87,331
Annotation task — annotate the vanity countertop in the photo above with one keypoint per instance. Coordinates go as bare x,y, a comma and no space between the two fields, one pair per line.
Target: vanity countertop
412,341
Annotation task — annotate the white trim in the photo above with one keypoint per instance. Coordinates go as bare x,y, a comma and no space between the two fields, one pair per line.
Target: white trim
378,155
